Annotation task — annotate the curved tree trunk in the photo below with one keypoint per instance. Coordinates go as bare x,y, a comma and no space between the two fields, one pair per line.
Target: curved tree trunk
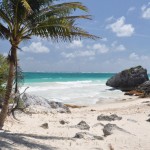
9,86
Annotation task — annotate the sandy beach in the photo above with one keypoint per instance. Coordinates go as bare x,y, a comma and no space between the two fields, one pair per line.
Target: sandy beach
27,133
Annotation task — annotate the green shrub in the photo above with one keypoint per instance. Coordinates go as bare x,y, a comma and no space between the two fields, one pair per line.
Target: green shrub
3,76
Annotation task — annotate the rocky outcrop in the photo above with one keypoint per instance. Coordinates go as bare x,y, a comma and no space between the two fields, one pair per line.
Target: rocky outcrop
128,79
35,104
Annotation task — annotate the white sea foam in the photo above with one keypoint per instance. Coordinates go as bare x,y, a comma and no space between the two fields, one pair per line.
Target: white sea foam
75,92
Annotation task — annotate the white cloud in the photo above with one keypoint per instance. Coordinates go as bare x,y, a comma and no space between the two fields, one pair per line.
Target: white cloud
131,9
117,47
110,19
146,11
78,54
36,47
134,56
101,48
120,28
30,58
76,44
104,39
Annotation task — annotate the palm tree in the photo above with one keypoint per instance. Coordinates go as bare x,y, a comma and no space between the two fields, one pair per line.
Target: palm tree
22,19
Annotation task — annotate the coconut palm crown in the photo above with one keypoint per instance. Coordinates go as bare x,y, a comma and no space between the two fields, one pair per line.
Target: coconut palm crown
22,19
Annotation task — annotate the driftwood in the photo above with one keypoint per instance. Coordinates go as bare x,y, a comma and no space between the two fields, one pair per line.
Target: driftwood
16,104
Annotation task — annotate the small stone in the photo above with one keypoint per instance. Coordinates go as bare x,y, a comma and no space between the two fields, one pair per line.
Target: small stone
79,136
83,125
63,122
93,110
44,126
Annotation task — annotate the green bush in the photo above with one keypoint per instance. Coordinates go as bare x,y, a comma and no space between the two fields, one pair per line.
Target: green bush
3,76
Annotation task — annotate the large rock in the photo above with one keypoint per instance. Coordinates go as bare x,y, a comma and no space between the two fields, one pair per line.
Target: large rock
39,104
128,79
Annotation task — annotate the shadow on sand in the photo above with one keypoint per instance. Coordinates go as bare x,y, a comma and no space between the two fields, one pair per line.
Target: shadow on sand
11,141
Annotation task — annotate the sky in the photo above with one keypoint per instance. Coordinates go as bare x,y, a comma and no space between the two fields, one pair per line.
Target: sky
125,30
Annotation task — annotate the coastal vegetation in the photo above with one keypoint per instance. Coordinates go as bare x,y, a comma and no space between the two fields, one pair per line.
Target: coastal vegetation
22,19
3,76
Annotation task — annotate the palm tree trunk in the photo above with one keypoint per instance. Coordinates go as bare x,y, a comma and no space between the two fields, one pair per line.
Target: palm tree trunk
9,86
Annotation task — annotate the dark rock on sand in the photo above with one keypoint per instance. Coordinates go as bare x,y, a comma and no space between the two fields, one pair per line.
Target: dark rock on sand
83,125
112,117
44,126
81,135
30,101
148,120
63,122
128,79
109,128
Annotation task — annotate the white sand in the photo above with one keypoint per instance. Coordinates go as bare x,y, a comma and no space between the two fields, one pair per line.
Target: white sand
27,134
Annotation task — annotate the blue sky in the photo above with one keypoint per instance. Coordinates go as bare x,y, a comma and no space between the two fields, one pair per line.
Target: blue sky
124,26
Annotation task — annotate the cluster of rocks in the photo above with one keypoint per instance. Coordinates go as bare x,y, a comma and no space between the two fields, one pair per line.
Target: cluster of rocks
37,104
108,128
133,81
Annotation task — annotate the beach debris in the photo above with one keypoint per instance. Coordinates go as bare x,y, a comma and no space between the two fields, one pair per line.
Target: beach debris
109,128
135,93
44,126
112,117
83,125
86,135
63,122
128,79
33,102
74,106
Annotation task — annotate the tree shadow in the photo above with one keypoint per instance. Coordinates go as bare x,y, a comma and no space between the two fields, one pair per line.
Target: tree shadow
11,140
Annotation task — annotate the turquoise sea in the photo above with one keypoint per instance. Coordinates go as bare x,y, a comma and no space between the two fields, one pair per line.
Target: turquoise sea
31,77
73,88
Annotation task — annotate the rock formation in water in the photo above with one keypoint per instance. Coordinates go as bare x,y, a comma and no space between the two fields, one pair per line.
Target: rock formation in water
128,79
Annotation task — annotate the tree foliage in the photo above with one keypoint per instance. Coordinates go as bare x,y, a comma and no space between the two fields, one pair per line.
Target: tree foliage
22,19
3,75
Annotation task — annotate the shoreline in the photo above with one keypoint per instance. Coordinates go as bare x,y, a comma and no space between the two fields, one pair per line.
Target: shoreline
31,135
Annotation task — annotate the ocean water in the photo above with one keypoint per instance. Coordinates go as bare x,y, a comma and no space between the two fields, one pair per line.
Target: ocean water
72,88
